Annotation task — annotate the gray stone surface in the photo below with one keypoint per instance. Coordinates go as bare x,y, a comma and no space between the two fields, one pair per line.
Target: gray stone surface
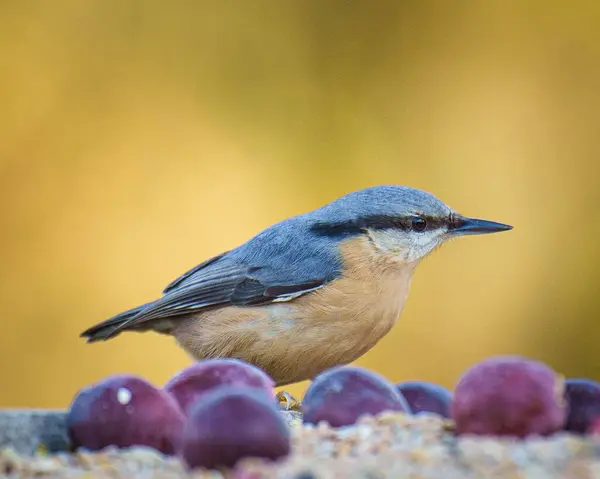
26,430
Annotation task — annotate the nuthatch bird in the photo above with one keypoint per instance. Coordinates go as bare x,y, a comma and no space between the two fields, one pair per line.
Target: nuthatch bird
310,292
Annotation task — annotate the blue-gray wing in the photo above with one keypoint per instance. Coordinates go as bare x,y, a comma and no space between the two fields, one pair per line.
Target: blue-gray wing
280,264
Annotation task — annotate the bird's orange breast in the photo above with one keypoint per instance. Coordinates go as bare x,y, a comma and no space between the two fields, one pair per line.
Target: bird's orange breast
297,339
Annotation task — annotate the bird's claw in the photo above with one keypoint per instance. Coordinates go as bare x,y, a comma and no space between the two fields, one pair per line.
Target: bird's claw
287,402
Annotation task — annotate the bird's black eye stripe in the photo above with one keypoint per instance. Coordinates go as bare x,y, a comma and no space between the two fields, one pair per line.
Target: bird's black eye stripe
418,224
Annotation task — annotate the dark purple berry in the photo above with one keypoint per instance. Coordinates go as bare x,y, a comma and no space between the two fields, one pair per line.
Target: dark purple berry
203,376
124,410
424,396
583,404
341,395
231,423
509,396
595,427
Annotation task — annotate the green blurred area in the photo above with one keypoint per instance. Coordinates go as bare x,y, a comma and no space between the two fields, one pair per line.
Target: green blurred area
138,138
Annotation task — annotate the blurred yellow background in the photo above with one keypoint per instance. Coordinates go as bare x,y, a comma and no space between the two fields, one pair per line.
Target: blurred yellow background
139,138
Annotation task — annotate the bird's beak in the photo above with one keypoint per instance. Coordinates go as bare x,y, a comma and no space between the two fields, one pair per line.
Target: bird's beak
461,226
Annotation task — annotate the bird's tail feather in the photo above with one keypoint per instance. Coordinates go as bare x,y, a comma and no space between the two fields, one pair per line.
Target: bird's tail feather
106,329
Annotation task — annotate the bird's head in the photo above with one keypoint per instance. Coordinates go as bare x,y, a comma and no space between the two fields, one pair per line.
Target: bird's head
403,222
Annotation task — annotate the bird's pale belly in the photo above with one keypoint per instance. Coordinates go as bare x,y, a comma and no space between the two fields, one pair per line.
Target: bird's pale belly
296,340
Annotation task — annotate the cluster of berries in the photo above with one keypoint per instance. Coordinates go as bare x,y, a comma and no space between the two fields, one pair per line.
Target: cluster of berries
218,411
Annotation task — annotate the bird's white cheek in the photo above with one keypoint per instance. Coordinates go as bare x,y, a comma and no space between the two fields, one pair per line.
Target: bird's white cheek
422,244
422,240
404,246
417,252
390,242
396,244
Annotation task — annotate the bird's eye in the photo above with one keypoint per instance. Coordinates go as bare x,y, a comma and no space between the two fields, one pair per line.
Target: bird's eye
419,224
